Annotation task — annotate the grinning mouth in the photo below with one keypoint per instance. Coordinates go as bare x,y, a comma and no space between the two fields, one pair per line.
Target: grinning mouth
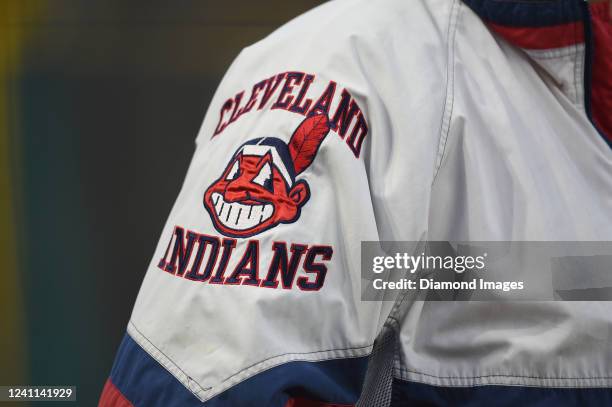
239,216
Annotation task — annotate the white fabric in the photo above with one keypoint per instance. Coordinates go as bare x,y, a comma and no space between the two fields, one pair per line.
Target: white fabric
469,138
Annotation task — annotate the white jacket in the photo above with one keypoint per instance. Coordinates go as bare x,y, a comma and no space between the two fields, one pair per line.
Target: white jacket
369,120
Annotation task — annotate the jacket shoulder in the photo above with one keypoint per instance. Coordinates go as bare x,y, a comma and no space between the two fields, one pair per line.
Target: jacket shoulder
363,24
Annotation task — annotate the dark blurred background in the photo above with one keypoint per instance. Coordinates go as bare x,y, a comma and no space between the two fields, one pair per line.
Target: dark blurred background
100,103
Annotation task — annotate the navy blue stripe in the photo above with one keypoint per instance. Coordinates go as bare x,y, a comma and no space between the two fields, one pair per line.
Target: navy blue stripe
144,382
420,395
521,13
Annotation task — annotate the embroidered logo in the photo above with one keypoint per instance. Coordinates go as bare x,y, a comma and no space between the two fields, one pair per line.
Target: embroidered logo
258,189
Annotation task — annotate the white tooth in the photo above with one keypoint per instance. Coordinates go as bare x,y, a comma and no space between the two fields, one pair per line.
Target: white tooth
230,207
252,221
240,217
223,211
256,213
243,220
262,213
250,212
233,215
267,211
219,204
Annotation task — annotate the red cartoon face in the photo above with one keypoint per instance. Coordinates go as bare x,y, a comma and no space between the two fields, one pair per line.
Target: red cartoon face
252,196
258,190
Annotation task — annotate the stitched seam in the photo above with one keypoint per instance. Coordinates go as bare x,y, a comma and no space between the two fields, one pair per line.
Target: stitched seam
568,51
449,99
263,360
206,389
575,90
295,353
278,364
403,370
131,323
581,55
577,63
504,383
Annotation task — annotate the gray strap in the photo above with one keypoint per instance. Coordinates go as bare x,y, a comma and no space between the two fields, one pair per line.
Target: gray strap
378,382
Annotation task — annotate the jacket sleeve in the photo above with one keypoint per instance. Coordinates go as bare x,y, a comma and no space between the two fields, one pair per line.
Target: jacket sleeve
314,142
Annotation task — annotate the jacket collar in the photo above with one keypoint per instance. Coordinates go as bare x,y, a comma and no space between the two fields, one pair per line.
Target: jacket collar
537,25
534,24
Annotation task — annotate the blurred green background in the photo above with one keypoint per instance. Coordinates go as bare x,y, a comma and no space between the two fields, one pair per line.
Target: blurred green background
100,103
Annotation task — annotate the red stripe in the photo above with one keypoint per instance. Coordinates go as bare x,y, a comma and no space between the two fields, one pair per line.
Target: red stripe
556,36
112,397
300,402
601,90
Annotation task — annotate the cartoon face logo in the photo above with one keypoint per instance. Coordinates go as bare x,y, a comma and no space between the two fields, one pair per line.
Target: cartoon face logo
258,189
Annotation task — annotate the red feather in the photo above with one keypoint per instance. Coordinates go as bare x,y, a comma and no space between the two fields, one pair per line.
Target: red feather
306,140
